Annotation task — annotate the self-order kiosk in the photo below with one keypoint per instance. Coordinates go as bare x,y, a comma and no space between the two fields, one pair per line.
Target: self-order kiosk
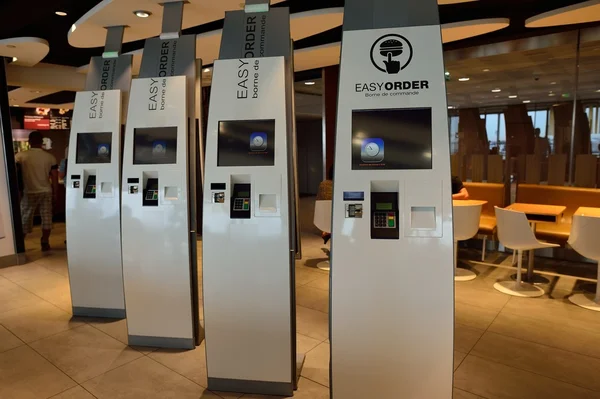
92,184
158,192
248,222
392,278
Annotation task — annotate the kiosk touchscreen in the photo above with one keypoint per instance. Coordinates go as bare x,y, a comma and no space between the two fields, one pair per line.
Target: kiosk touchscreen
248,222
392,208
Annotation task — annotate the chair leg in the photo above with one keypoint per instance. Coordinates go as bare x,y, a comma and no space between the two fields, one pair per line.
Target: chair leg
519,267
514,258
483,248
597,300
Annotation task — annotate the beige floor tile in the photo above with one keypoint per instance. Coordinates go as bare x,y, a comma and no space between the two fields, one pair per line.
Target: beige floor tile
305,276
305,344
56,265
84,352
13,296
313,298
145,378
321,283
474,316
557,311
24,272
549,332
38,321
460,394
487,298
316,365
8,340
52,287
466,337
555,363
118,330
307,389
312,323
458,358
24,374
494,381
189,363
74,393
230,395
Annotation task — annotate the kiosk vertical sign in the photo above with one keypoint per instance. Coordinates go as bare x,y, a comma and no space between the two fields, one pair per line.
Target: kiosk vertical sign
392,219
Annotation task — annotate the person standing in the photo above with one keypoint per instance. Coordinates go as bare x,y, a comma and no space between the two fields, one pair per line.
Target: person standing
40,181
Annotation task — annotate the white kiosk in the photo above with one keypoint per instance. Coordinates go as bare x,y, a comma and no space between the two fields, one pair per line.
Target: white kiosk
248,228
92,184
392,275
158,192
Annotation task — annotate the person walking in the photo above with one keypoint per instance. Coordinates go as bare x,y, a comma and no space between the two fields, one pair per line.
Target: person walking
40,183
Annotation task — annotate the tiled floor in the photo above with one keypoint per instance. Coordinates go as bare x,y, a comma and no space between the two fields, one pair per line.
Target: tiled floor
505,347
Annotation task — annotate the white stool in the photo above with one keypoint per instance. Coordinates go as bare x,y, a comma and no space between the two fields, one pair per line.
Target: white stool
322,221
514,232
466,225
584,239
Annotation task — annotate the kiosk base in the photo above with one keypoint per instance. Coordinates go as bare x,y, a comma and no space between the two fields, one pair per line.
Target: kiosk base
99,312
161,342
300,358
252,387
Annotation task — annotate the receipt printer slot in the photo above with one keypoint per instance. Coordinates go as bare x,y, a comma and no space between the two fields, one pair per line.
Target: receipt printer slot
240,202
384,216
151,193
90,187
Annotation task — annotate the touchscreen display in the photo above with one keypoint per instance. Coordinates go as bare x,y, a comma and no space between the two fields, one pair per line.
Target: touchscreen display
392,139
93,148
155,145
246,143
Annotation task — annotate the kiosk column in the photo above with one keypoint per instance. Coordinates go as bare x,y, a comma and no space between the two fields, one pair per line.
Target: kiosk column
392,277
92,184
159,197
248,229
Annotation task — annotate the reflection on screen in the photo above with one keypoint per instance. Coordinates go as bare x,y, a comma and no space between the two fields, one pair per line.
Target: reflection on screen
392,139
155,145
246,143
93,148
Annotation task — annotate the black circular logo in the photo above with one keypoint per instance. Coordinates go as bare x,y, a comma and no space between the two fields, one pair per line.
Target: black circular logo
391,53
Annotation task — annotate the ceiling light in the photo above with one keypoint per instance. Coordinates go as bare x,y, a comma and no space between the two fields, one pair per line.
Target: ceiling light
496,90
526,101
598,91
551,94
552,83
486,70
15,59
61,13
447,73
142,13
309,83
451,107
464,79
16,105
206,70
513,96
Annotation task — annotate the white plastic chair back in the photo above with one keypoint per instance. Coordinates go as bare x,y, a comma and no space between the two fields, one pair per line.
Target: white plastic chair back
466,221
585,231
323,215
514,231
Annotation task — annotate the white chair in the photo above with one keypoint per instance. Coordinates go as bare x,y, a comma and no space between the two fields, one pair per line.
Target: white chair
322,221
466,225
514,232
584,239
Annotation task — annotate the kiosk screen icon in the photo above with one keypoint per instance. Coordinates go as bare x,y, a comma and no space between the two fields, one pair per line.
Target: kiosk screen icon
258,141
372,150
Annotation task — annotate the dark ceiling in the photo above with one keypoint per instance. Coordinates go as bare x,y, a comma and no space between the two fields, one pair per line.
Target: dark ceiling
37,18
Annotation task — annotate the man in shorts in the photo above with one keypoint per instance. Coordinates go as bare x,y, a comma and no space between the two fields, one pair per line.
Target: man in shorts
39,169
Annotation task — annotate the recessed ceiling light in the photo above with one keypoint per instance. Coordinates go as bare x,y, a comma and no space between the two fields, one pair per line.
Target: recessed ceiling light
309,83
496,90
61,13
464,79
486,70
598,91
142,13
526,101
15,59
447,73
451,107
513,96
551,94
552,83
16,105
206,70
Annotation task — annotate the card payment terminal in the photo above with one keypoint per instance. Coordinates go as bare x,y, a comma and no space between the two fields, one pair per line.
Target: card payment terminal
151,193
90,187
240,202
384,216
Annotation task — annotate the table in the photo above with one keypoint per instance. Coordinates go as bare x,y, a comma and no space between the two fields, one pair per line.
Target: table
468,202
586,211
537,213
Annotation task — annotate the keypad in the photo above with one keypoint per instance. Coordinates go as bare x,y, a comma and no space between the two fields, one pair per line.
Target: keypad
384,220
